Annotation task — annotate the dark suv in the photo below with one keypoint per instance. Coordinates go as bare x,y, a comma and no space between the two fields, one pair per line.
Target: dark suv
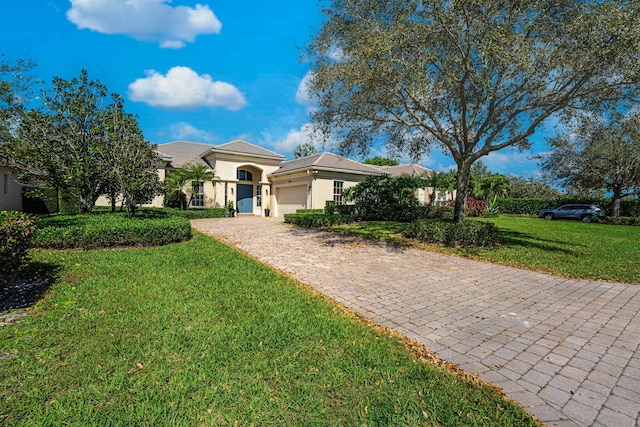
581,212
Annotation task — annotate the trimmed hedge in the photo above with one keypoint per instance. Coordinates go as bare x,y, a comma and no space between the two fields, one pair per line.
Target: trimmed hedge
16,228
106,230
448,233
309,211
628,207
193,213
317,220
39,200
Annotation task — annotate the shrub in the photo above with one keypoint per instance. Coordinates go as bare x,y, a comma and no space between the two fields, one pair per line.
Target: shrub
476,208
39,200
195,213
175,199
440,212
448,233
386,198
96,231
16,229
317,220
309,211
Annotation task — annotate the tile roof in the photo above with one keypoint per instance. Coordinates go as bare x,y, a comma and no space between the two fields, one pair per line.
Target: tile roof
182,152
244,147
326,161
415,169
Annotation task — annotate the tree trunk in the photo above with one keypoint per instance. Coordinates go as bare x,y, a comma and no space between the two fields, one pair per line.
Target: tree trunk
462,187
617,196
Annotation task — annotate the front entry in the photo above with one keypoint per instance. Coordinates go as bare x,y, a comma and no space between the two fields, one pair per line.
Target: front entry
245,198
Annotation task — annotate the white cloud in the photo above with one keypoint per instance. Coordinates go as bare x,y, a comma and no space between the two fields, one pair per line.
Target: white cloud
186,132
149,20
308,133
184,88
302,96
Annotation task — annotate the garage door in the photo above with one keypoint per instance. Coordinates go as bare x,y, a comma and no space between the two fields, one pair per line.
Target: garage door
291,198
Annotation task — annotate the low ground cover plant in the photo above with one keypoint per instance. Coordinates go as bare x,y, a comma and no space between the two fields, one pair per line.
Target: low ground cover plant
197,334
107,230
16,229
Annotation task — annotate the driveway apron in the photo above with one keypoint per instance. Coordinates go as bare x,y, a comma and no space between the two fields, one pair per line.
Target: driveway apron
566,349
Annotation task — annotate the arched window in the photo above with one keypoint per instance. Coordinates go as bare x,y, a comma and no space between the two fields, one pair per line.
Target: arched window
244,175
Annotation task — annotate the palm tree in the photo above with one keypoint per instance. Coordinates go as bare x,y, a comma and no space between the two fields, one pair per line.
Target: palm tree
174,184
196,173
437,181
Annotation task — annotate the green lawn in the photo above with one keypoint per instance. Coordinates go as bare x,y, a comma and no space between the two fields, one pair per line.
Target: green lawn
568,248
195,333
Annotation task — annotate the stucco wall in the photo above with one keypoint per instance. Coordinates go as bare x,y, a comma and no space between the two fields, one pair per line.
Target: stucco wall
10,190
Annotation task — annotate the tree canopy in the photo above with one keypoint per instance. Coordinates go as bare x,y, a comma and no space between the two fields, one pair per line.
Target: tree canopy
381,161
598,152
79,139
470,76
304,150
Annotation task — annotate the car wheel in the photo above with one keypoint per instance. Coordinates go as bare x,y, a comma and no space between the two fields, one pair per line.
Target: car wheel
548,216
586,218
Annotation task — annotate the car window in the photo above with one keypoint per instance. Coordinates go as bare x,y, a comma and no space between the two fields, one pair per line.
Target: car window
567,208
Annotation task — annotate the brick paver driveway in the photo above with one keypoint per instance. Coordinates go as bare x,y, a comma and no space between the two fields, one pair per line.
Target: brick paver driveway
566,349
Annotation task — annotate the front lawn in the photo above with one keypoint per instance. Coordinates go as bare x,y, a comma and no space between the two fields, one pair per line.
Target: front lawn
195,333
568,248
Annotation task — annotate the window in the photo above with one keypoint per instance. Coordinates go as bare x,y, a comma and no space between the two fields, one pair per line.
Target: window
259,195
198,194
244,175
6,183
337,192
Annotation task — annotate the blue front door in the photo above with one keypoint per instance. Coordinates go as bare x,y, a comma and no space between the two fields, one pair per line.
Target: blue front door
245,198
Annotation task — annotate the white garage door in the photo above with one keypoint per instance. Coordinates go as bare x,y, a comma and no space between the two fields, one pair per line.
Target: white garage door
291,198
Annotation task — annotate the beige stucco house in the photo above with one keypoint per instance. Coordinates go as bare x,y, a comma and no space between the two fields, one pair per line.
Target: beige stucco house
261,182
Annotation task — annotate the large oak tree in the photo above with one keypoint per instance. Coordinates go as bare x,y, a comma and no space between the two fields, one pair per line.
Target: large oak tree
468,76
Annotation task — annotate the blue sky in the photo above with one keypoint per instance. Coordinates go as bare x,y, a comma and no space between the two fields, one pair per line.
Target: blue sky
208,71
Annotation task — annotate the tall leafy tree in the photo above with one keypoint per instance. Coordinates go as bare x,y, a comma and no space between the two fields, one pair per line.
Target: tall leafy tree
381,161
304,150
16,84
596,152
129,162
468,76
60,139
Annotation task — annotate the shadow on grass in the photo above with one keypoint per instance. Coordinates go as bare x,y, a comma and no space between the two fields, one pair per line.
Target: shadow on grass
517,238
33,283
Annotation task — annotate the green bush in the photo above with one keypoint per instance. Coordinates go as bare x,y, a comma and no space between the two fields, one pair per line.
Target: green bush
194,213
175,199
439,212
39,200
106,230
309,211
16,229
621,220
68,204
448,233
386,198
317,220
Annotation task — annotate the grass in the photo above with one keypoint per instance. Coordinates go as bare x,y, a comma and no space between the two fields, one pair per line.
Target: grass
567,248
195,333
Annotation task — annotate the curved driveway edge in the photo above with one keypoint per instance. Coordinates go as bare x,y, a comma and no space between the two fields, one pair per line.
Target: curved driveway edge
566,349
